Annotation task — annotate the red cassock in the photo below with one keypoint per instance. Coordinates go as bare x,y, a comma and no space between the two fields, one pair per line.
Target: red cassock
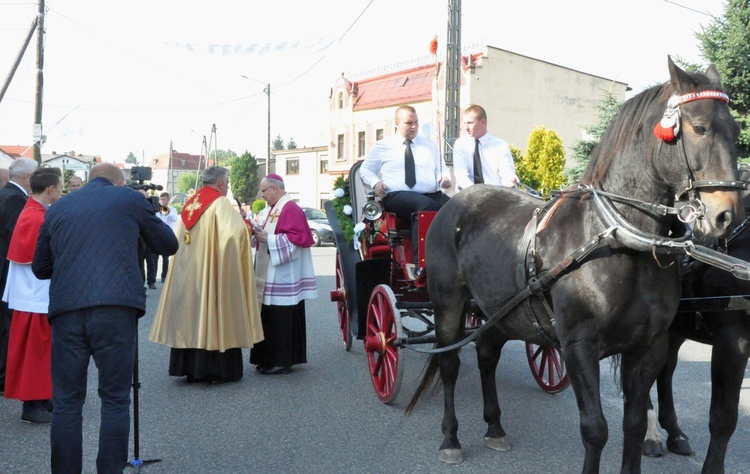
28,373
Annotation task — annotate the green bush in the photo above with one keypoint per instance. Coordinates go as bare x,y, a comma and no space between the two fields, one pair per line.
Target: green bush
258,206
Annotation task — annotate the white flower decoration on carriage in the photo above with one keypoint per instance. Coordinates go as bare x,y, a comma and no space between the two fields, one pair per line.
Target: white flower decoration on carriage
357,232
338,192
348,210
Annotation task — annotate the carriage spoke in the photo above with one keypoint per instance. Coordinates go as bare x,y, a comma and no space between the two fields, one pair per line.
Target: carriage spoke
383,328
547,367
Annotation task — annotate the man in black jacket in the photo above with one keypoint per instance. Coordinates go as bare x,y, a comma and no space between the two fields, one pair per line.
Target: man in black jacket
88,246
12,199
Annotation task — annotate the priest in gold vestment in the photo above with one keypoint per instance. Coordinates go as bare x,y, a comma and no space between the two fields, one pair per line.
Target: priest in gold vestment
208,309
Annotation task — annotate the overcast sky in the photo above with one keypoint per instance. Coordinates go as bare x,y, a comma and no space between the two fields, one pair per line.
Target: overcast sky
132,76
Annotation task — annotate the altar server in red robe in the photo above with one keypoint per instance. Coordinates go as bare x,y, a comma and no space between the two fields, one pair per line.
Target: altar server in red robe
28,375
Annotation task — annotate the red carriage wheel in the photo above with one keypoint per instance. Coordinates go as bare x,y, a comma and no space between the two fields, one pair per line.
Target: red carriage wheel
383,329
547,367
473,320
339,296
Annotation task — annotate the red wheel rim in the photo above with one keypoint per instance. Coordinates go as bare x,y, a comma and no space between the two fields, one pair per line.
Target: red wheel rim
547,367
383,329
343,312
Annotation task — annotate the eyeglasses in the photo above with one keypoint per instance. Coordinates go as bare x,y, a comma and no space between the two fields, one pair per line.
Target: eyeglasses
264,190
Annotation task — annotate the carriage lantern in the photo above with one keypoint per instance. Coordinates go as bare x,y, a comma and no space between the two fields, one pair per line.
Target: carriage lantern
372,210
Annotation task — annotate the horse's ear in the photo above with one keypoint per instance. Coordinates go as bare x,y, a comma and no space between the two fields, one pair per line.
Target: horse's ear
713,75
680,80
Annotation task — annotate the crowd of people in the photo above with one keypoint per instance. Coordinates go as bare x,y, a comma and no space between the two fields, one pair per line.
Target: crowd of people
76,268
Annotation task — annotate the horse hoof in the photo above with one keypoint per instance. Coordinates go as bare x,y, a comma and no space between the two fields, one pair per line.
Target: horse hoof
451,456
652,449
680,446
498,444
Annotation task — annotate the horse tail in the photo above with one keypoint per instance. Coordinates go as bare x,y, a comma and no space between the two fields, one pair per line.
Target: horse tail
428,375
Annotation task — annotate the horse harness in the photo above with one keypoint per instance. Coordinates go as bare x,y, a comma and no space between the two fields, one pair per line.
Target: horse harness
619,229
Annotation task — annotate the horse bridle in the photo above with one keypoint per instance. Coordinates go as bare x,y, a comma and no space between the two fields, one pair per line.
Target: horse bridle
695,209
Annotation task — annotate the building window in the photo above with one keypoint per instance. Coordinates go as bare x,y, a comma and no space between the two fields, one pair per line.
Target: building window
324,166
323,202
292,166
379,134
340,155
361,143
340,102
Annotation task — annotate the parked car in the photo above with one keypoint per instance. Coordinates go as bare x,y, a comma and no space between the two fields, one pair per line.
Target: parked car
321,230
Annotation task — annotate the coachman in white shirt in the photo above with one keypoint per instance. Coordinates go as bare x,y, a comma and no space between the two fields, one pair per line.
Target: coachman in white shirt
406,170
479,157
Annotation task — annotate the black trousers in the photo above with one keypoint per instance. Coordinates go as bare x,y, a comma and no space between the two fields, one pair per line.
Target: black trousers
5,318
405,204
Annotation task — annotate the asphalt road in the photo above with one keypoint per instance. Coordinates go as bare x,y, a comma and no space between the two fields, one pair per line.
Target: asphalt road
325,418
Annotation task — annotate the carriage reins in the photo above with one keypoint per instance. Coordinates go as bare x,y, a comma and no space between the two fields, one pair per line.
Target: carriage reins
624,233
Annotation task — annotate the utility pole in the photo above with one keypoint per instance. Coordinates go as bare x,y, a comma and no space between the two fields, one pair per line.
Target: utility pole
268,156
38,132
267,91
452,79
170,180
12,72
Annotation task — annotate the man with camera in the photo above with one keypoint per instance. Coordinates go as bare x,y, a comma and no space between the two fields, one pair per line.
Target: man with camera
87,246
147,259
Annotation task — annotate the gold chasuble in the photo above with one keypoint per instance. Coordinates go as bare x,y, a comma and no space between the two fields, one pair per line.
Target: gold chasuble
208,300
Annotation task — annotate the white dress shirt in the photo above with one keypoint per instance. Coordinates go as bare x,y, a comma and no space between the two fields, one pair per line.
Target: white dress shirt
385,163
170,218
497,162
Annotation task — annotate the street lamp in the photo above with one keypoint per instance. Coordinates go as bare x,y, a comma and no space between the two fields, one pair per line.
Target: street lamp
267,91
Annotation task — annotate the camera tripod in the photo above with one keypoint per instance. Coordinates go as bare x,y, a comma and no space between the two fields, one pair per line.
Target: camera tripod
137,462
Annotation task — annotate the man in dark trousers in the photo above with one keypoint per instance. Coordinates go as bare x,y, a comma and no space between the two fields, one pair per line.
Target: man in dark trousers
88,246
12,200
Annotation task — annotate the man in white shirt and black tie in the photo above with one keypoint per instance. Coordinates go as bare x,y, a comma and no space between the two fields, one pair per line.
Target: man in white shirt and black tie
406,170
480,157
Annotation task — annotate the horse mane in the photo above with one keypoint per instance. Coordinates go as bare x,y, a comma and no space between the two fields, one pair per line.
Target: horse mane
637,115
625,125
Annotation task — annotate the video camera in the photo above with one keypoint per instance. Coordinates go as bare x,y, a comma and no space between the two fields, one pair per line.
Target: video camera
139,174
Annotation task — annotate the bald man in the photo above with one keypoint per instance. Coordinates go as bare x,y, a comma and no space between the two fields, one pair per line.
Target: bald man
88,247
74,183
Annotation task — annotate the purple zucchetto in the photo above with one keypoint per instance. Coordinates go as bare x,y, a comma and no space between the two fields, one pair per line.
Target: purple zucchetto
274,176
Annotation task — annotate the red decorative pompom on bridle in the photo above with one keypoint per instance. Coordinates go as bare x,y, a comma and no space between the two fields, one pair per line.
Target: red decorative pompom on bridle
669,126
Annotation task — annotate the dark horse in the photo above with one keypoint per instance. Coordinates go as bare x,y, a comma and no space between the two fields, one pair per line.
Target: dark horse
615,290
728,332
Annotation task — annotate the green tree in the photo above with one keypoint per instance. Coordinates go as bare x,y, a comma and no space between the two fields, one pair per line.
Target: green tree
186,182
243,177
607,107
542,165
223,157
132,159
726,44
277,143
291,144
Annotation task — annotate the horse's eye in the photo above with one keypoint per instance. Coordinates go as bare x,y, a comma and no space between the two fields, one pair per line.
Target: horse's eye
699,130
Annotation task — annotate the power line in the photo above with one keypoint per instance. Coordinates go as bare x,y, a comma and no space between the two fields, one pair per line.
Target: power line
689,8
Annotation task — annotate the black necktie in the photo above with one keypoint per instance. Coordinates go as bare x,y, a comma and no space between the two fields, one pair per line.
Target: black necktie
478,178
410,171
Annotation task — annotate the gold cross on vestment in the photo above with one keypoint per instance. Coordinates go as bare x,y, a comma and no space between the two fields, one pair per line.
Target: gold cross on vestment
275,214
194,206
